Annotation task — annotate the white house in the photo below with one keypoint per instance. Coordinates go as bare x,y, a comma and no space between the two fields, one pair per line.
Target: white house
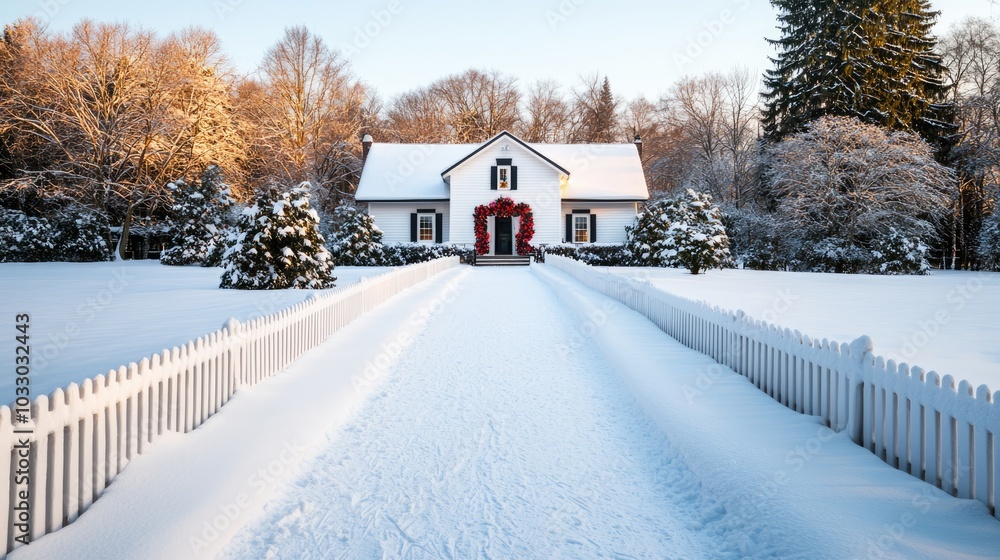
428,193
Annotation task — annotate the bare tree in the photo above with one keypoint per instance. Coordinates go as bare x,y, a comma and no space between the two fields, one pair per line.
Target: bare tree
595,111
309,116
418,117
479,104
546,113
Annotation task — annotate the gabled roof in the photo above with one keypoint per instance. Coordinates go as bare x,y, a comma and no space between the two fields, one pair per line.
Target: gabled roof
491,141
412,172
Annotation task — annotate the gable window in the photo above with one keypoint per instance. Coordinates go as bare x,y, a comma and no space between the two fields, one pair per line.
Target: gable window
581,228
426,228
503,177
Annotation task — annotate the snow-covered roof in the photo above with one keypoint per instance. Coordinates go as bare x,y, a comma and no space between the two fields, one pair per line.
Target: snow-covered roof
413,172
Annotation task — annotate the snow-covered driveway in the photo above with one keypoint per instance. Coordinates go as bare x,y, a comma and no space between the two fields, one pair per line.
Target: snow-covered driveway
486,441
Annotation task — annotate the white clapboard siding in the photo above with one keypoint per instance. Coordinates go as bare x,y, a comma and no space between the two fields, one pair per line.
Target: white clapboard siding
612,219
537,185
393,218
85,435
913,420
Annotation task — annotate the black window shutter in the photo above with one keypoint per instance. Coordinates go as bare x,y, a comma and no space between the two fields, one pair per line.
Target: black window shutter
593,228
438,227
413,228
493,178
513,178
569,228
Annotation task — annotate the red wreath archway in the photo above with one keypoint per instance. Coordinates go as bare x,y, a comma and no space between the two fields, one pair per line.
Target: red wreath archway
504,207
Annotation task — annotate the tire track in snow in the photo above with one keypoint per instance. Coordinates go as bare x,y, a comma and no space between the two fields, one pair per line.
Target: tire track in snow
484,442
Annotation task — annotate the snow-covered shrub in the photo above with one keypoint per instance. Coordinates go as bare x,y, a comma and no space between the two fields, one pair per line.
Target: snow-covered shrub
894,253
401,254
685,231
759,240
200,217
989,242
25,238
831,255
276,244
593,254
646,238
81,235
357,241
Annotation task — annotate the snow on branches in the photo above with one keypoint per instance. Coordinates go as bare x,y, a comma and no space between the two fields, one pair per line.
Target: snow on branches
685,231
276,245
200,218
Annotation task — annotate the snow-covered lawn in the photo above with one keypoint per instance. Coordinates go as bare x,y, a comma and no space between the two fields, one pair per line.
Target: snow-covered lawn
540,421
948,321
87,318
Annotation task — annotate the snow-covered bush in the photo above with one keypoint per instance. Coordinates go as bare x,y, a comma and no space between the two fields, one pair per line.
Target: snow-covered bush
759,240
357,241
81,235
989,242
276,244
25,238
593,254
896,254
646,238
831,254
685,231
200,217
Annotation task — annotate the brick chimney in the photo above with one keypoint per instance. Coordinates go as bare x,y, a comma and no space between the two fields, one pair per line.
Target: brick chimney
638,145
366,145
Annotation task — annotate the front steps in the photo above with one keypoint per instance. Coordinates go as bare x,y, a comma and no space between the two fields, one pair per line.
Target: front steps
502,260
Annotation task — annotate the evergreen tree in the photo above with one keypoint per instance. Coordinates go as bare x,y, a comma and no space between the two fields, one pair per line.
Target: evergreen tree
696,238
200,220
357,241
277,245
646,238
870,59
605,116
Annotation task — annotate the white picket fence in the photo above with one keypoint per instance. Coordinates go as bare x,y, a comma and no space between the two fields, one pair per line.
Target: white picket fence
85,435
913,420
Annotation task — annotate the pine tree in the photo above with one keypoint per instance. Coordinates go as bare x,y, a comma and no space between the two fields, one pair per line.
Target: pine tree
200,218
989,242
870,59
646,238
277,245
604,117
696,238
357,240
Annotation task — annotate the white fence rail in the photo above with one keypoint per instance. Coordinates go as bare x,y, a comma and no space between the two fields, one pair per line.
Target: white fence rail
913,420
84,436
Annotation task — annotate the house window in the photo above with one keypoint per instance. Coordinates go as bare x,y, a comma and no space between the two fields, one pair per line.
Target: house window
503,177
581,229
426,228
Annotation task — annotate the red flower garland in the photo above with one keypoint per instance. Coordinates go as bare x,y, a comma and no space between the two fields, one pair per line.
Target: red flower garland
504,207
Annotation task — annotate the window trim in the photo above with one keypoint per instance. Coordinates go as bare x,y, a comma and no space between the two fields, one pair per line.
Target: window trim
577,219
420,228
503,170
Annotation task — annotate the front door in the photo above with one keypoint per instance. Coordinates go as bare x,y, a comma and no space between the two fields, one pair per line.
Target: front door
505,237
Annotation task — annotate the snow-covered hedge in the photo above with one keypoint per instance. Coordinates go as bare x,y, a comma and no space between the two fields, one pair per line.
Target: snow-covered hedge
897,254
593,254
75,234
276,245
400,254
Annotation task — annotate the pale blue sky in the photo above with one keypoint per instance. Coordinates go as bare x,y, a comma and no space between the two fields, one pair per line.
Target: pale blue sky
642,45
